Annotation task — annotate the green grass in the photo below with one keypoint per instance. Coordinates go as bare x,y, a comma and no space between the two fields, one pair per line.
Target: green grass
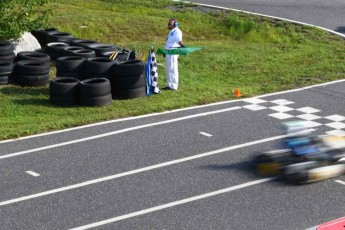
254,54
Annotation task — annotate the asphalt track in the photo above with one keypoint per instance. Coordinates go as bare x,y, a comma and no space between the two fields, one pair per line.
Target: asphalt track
324,13
183,169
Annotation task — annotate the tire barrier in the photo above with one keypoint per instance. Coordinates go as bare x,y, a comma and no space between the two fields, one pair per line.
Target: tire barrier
98,67
6,68
64,91
82,42
54,49
95,92
101,48
7,51
31,73
129,68
41,35
70,66
86,53
59,37
128,80
32,55
68,51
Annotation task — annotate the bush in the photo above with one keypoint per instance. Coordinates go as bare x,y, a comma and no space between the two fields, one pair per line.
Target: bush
18,16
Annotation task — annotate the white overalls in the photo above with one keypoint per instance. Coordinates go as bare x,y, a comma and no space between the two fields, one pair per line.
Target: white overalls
171,63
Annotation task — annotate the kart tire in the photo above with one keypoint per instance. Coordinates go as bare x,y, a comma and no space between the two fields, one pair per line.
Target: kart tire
54,49
86,53
6,48
8,57
128,68
6,67
32,80
64,87
99,48
94,87
129,82
82,42
59,37
67,64
31,67
36,56
129,93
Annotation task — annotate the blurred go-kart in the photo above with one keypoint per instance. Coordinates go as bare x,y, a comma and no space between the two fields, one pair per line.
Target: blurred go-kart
304,157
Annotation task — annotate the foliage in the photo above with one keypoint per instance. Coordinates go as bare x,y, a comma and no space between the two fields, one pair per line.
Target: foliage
18,16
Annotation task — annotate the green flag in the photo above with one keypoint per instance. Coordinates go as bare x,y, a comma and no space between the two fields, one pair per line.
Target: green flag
179,51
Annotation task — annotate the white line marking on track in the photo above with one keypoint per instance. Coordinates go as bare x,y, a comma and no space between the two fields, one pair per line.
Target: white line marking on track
206,134
340,182
118,131
33,173
161,165
175,203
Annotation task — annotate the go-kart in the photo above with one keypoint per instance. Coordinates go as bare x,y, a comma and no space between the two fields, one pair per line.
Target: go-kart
305,157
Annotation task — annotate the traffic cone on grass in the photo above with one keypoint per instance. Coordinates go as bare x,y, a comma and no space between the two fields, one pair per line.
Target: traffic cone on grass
237,92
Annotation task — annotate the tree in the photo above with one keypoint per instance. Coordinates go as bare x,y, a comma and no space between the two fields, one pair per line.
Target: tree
18,16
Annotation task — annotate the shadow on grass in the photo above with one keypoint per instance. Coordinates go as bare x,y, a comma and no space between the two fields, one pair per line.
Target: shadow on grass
15,90
33,101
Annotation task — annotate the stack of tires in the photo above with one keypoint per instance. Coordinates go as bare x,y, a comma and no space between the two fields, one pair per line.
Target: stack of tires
31,69
6,68
31,73
7,51
128,80
64,91
95,92
98,67
70,66
67,91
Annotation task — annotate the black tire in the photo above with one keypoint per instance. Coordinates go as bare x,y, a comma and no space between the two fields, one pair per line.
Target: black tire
65,86
297,178
5,79
129,93
96,101
94,87
41,35
8,57
82,42
99,66
100,48
32,80
36,56
70,64
130,82
6,67
59,37
6,48
31,67
64,101
69,50
54,49
86,53
129,68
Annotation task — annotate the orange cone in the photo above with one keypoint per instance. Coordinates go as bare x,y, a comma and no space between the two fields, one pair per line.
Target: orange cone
237,92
